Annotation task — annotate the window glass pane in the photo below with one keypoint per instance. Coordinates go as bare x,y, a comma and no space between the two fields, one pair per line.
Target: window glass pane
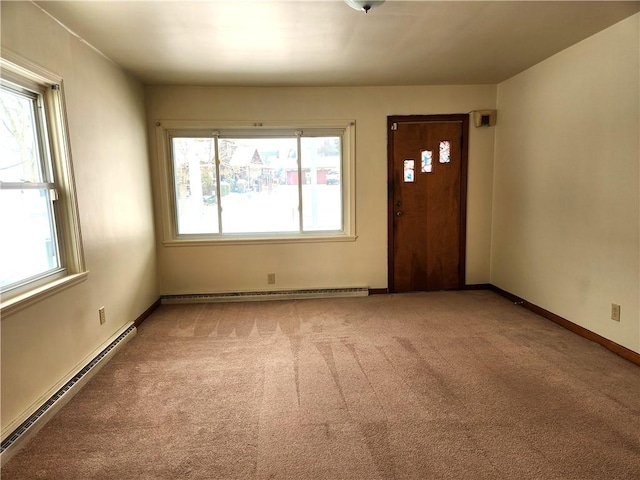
321,189
262,174
445,151
27,239
427,156
19,152
195,185
409,166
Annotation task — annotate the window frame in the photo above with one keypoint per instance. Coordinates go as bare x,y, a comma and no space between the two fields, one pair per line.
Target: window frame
167,129
53,138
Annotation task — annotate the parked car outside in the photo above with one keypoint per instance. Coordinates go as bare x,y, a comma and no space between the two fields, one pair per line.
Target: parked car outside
333,177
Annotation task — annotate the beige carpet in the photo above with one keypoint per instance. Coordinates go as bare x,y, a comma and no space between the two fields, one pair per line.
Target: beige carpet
457,385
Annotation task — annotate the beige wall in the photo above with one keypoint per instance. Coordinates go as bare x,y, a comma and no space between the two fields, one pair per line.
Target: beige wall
44,343
220,268
566,186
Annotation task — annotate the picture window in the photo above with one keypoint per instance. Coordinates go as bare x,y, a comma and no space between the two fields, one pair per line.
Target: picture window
258,183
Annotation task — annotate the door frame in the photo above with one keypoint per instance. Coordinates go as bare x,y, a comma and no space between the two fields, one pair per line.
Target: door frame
463,118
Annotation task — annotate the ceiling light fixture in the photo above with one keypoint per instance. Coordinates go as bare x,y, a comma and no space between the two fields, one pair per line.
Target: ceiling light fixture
364,5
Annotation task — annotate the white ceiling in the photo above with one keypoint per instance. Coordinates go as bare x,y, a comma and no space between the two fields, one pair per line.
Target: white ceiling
324,42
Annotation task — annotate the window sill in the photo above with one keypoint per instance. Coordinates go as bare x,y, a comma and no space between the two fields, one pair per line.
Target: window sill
248,240
17,303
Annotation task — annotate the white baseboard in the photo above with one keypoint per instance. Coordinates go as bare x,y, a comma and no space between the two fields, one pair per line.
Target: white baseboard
20,431
261,296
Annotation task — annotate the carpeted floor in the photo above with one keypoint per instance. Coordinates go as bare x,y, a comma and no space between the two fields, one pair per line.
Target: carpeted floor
455,385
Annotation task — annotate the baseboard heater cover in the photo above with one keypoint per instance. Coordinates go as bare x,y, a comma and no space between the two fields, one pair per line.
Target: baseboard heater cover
58,399
266,295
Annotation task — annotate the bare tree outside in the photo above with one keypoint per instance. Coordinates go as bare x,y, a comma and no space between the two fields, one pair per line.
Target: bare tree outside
28,244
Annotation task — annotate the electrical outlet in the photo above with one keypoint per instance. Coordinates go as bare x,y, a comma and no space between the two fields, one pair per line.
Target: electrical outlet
103,316
615,312
271,278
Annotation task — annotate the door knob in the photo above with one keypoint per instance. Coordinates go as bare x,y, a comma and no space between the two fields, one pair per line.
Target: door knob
398,214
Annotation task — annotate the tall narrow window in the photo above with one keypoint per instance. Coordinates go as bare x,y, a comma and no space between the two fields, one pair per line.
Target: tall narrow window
409,170
445,151
194,184
28,242
36,195
321,192
427,158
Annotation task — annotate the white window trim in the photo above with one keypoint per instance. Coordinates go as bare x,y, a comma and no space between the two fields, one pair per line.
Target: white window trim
169,228
68,219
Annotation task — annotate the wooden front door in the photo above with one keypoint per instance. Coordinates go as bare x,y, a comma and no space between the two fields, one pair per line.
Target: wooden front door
427,160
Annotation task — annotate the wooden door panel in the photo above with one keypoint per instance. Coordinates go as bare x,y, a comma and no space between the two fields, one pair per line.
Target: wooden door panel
411,263
443,213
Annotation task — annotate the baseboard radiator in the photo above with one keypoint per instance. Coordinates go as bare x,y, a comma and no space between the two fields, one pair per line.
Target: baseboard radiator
27,429
266,295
